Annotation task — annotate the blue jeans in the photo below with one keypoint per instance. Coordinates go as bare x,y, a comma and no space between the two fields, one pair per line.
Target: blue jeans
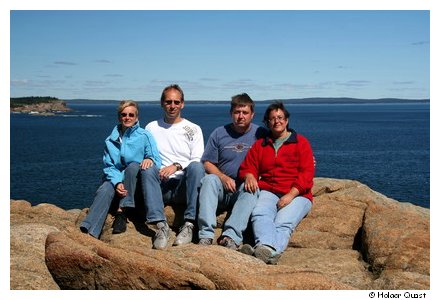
274,227
213,196
104,197
157,193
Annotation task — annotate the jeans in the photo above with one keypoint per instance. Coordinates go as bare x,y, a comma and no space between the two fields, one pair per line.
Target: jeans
213,196
274,227
157,193
104,197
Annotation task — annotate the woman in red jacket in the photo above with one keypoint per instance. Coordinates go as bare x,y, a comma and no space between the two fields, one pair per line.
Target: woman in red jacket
279,170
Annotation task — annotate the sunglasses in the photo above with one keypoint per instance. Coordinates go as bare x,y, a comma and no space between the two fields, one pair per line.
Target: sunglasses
169,102
131,115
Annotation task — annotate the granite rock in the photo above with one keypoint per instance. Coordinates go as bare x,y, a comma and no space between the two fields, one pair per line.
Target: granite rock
353,238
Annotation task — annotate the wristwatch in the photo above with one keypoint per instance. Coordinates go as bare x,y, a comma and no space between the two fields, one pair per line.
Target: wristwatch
178,166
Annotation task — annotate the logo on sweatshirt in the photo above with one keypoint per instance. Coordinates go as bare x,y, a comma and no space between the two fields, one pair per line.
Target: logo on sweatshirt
189,133
241,147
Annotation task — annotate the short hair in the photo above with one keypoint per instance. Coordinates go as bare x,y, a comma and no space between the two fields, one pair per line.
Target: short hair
277,105
172,87
126,103
241,100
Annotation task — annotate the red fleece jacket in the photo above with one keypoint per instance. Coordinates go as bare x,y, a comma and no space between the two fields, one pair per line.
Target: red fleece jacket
291,166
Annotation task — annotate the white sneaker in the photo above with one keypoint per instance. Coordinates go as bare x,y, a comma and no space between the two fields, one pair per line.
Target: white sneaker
162,235
185,234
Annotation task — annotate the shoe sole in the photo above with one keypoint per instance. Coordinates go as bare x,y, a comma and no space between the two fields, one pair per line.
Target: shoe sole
178,242
247,249
205,244
160,247
181,243
263,253
118,231
274,260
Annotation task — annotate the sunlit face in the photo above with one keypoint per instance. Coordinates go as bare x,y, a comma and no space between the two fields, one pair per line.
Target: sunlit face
172,104
128,116
277,121
242,117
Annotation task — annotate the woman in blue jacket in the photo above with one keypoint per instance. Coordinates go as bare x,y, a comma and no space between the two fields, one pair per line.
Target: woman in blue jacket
128,149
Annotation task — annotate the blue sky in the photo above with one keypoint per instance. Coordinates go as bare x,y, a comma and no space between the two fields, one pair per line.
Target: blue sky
216,54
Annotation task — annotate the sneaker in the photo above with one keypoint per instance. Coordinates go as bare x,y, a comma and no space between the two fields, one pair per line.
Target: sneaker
162,235
247,249
205,241
274,259
120,223
266,254
229,243
185,234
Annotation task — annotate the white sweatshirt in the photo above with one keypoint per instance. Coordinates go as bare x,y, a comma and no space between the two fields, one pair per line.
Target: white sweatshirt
181,142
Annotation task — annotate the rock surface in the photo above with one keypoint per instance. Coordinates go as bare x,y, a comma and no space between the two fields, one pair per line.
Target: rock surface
354,238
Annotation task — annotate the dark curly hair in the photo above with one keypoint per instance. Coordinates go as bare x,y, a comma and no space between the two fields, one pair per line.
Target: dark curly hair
277,105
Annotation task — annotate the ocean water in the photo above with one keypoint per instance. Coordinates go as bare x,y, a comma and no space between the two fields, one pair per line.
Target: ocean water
386,146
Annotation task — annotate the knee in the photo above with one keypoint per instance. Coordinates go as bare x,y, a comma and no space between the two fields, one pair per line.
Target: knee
247,198
152,171
132,169
263,211
210,180
196,167
257,212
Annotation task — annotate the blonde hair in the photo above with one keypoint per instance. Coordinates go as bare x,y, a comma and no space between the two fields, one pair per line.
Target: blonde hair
126,103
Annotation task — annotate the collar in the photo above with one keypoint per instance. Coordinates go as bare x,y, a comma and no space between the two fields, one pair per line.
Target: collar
292,138
233,133
115,133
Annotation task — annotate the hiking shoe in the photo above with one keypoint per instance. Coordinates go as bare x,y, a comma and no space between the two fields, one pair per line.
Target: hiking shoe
266,254
185,234
229,243
247,249
162,235
205,241
274,259
120,223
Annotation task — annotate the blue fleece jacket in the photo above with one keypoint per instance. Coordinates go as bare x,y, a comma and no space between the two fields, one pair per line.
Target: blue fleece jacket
135,145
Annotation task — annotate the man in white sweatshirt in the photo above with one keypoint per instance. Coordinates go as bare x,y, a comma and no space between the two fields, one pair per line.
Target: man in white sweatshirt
181,146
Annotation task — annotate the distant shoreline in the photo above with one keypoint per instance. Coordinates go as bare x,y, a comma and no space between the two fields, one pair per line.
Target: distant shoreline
285,101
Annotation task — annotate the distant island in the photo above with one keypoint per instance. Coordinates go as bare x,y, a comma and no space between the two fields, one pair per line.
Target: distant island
315,100
46,106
